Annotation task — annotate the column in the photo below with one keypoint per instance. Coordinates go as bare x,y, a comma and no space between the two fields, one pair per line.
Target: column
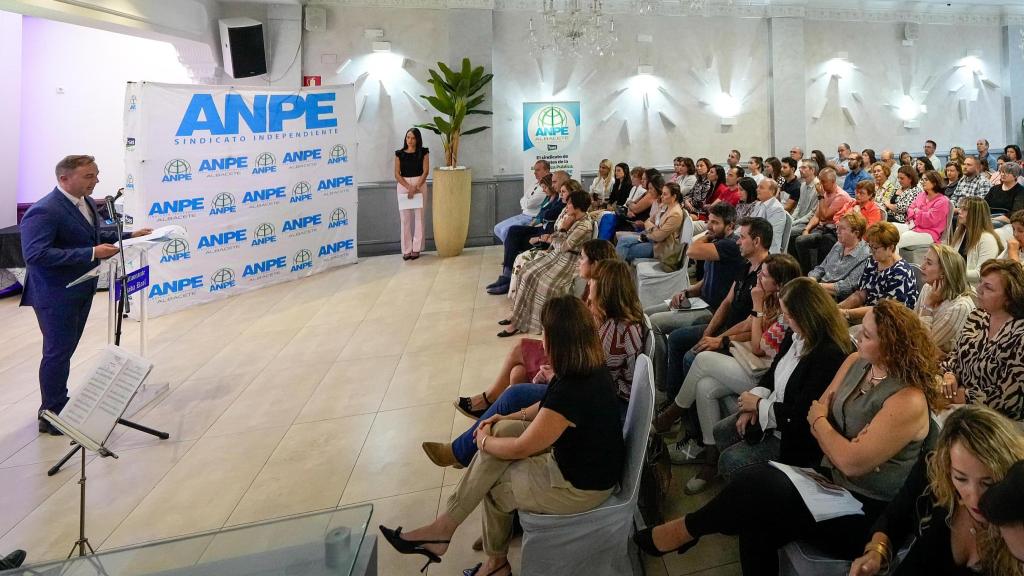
787,85
1013,83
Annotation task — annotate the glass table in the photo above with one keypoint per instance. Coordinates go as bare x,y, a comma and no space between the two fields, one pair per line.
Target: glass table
328,543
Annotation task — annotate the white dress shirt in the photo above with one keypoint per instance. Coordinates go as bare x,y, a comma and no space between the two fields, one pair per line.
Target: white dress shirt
83,207
783,370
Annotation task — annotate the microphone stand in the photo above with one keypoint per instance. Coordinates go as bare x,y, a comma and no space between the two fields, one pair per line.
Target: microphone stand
122,308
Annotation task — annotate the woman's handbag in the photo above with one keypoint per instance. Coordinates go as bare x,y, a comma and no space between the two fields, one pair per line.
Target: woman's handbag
745,357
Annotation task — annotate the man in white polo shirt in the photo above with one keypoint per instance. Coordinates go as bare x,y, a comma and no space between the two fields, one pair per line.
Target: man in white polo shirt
532,198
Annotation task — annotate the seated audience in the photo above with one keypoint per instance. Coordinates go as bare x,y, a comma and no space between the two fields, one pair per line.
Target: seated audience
621,187
773,169
1015,245
685,174
660,238
1006,197
923,164
975,238
601,187
863,203
747,190
563,455
769,208
907,191
986,365
530,202
695,203
937,507
819,159
755,167
731,371
524,359
1012,152
619,318
839,274
771,422
867,158
819,234
906,159
957,156
884,185
551,274
728,190
521,238
720,252
954,172
731,319
946,299
790,187
638,211
973,183
1003,507
927,215
993,177
871,424
855,175
886,275
808,202
540,245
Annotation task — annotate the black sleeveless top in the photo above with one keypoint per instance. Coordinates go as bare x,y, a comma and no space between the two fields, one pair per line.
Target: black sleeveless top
411,164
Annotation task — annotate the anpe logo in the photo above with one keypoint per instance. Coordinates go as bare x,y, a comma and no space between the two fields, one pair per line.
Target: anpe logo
551,126
177,170
265,266
264,234
268,113
264,195
176,286
302,222
338,155
183,205
174,250
301,156
129,182
338,219
222,279
336,247
130,143
334,183
133,104
553,122
265,164
303,259
222,239
224,164
223,203
301,192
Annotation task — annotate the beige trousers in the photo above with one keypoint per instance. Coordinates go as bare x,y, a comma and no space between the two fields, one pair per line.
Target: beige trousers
532,484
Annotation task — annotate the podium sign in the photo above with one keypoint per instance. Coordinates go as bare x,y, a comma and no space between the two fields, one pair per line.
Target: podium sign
137,280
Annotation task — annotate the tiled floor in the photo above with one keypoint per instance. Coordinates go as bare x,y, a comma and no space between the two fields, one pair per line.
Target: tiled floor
298,397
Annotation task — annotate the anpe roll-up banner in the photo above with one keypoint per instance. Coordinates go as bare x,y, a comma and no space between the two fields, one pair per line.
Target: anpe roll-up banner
262,180
551,131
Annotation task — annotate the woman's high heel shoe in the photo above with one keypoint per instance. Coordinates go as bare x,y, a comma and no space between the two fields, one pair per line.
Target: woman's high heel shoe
475,570
394,537
645,541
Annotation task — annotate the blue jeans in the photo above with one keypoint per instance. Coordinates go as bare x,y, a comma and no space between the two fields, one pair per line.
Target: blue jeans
501,228
681,356
512,400
630,248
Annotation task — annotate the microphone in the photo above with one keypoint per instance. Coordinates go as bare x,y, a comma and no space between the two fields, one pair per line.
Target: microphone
109,201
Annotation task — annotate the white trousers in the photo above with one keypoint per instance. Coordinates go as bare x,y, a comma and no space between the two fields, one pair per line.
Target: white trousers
712,376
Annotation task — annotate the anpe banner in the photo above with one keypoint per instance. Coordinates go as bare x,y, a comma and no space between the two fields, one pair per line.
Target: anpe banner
551,131
262,180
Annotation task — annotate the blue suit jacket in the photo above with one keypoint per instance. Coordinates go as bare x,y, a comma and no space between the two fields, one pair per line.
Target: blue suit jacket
57,243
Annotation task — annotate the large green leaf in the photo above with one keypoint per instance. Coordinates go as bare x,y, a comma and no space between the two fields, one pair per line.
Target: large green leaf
480,83
475,130
442,124
439,82
442,106
430,127
451,77
487,112
467,70
471,104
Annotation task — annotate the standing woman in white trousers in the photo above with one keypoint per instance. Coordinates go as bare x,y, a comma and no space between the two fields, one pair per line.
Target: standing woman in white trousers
412,166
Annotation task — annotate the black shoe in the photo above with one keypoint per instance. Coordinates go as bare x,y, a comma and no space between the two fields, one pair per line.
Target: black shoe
405,256
500,289
506,333
475,570
12,560
465,406
645,541
501,280
394,537
504,322
46,428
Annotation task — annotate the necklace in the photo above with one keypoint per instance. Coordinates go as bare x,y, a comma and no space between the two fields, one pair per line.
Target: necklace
872,381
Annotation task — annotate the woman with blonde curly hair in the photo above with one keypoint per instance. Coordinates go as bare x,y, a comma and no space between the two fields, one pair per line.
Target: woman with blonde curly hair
939,504
872,423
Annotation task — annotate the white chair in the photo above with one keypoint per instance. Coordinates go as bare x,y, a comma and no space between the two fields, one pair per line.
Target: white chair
786,231
654,284
918,275
648,337
597,542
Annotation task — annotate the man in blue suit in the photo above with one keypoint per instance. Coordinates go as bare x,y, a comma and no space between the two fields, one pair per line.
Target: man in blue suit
61,240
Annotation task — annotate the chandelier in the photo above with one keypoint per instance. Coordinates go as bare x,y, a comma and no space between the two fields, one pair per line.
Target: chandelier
570,30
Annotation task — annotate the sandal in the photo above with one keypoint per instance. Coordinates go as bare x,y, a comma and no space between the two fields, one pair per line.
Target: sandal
475,570
403,546
465,406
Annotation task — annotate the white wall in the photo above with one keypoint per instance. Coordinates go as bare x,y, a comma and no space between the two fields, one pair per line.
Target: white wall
10,101
74,105
926,72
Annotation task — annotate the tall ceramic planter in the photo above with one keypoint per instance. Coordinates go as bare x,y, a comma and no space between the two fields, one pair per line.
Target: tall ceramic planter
450,207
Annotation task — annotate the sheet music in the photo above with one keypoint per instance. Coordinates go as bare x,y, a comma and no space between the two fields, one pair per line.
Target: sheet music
105,393
823,499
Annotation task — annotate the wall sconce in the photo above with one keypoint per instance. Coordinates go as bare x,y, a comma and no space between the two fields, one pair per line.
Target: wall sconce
972,61
838,66
726,107
908,110
382,46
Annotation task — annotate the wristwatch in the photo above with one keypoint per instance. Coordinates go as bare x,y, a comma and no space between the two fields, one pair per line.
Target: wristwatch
756,314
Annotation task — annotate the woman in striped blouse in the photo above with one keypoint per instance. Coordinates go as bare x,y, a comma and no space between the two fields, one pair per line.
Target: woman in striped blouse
946,299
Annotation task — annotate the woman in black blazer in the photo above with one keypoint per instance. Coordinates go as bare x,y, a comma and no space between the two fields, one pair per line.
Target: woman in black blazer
772,421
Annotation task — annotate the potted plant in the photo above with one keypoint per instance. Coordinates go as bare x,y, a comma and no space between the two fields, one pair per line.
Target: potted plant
457,94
